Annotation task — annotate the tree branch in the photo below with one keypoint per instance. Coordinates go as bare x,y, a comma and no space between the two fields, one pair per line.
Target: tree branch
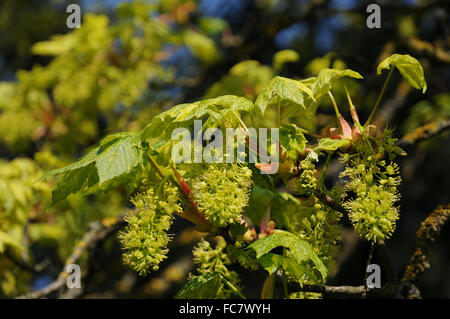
424,132
98,231
340,291
428,232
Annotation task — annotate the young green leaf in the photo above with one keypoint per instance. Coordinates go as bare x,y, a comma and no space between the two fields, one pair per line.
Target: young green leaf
105,167
204,286
271,262
292,140
284,56
202,47
287,93
260,200
300,249
409,68
220,111
328,144
7,240
324,82
268,287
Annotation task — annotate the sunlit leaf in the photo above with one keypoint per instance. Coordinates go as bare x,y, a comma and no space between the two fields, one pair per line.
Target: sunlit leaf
292,140
286,93
328,144
284,56
203,47
323,82
104,167
409,67
220,111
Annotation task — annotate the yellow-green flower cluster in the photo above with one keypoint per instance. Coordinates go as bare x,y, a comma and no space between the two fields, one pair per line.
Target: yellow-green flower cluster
373,185
317,224
222,192
373,212
209,259
306,184
145,238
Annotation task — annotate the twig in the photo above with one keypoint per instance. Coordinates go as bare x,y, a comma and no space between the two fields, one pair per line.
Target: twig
99,230
429,50
329,201
340,290
424,132
27,267
381,247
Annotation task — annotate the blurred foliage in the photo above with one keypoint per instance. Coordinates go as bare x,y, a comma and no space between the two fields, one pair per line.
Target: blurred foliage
61,93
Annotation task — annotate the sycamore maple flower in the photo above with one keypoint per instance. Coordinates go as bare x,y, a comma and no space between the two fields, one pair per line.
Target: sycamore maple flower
222,192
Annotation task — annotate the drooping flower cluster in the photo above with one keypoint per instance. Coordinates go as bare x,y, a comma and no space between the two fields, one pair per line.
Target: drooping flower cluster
317,224
222,192
145,238
306,183
373,185
209,259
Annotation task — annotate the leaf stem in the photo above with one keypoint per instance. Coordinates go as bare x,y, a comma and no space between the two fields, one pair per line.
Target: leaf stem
278,115
353,112
157,167
232,287
324,171
380,96
336,109
311,133
240,120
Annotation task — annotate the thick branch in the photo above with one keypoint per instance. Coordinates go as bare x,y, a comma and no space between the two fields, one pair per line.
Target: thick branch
428,232
340,291
330,202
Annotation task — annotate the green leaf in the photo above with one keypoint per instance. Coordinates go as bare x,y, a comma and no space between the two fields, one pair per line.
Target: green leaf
268,287
59,44
6,239
328,144
202,287
260,199
282,204
323,83
104,168
292,140
271,263
212,26
300,249
223,110
287,93
409,67
202,47
284,56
